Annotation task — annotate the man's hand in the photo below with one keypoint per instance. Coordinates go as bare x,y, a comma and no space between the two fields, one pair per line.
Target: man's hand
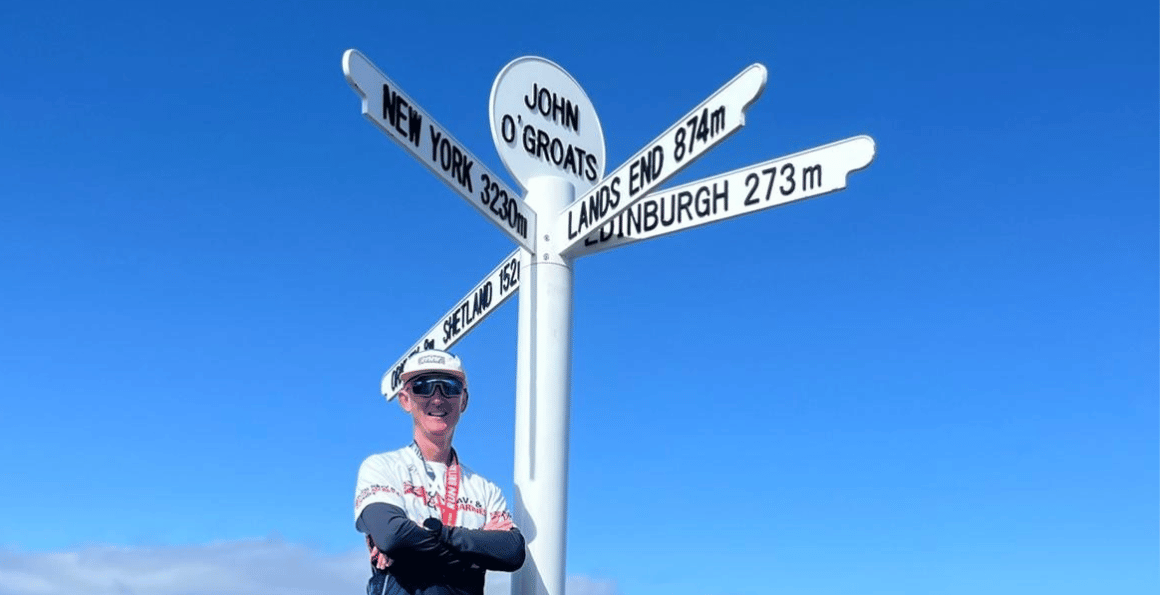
378,559
498,523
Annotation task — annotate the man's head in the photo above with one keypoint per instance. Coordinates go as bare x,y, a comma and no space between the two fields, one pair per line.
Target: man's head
434,391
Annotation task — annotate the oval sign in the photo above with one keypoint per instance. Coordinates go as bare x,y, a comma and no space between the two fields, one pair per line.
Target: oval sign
544,125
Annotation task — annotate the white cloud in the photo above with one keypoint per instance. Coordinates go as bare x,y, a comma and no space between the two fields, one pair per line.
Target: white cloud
253,567
256,567
582,585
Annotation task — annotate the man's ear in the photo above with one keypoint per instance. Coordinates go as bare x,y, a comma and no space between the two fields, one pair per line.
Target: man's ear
404,401
463,402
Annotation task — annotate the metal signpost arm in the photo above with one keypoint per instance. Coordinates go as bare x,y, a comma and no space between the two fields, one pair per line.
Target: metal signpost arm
711,122
761,186
486,297
400,118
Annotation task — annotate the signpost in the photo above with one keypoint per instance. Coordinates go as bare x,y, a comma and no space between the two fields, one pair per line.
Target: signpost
549,137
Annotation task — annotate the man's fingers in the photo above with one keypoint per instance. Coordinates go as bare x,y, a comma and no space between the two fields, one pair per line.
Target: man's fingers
499,524
378,559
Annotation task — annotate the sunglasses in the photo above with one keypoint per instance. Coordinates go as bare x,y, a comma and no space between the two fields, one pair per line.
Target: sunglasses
424,386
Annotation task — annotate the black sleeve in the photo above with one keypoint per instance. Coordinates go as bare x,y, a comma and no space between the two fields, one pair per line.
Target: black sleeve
491,550
400,538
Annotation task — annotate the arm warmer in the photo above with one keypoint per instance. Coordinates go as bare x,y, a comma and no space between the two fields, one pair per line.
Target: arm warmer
492,550
398,537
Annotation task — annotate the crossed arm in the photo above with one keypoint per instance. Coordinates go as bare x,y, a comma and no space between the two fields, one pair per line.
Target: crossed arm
498,546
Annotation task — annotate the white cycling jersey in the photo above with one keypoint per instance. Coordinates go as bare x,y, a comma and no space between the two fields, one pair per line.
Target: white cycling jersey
405,479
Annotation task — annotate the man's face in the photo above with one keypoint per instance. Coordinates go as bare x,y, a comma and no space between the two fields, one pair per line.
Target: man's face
436,414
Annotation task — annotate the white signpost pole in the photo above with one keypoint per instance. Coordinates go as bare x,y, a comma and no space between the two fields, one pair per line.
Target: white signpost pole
549,137
543,385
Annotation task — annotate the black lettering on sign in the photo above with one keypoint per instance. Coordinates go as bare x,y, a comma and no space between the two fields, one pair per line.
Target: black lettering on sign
553,106
509,276
465,314
752,181
485,195
511,212
451,326
572,162
674,209
632,220
700,128
542,139
721,195
606,232
590,168
649,207
606,197
495,197
468,314
787,173
684,201
545,147
481,301
503,206
451,159
507,129
645,170
557,150
409,123
669,215
704,205
811,177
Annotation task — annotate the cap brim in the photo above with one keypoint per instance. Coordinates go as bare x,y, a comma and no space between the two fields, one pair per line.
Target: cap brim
409,375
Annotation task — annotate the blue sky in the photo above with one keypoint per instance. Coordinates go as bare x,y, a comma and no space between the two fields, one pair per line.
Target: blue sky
940,380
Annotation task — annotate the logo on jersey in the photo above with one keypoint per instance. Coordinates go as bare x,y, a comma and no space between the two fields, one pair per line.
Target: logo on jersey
429,499
370,491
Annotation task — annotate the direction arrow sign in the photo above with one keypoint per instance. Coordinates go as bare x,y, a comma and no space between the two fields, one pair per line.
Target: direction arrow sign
711,122
499,285
772,183
396,114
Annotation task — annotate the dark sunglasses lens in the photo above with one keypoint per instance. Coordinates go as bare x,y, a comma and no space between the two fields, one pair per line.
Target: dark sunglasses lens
425,387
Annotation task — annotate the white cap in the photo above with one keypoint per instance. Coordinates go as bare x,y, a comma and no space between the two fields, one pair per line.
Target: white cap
433,360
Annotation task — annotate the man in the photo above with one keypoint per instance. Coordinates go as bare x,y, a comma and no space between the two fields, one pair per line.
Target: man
433,526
